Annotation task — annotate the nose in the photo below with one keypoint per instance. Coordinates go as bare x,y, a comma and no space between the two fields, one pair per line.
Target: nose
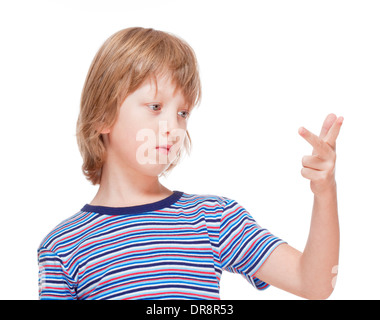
170,129
167,124
166,128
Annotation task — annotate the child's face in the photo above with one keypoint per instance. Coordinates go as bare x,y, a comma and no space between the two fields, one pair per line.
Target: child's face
145,122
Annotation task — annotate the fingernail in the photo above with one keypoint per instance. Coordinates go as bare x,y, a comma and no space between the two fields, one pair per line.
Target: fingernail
301,130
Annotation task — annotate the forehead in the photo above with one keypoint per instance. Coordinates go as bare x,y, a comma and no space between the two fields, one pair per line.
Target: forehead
161,85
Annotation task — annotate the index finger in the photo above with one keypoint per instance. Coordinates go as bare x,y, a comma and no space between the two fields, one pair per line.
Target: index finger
315,141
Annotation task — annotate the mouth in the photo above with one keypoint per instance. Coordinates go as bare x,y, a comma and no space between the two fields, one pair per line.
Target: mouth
164,149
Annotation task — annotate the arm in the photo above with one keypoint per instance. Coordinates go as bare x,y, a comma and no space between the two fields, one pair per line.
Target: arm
321,253
310,274
55,282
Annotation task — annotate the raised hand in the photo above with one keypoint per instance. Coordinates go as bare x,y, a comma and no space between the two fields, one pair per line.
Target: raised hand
319,167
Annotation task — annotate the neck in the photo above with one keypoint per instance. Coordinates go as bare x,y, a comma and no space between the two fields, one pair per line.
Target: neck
127,187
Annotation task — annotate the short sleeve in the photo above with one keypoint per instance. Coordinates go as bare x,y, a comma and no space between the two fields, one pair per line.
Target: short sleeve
243,245
54,282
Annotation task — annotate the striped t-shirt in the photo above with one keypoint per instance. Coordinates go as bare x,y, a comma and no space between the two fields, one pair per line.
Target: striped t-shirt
175,248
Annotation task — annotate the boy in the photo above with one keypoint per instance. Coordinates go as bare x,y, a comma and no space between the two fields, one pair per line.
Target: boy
139,240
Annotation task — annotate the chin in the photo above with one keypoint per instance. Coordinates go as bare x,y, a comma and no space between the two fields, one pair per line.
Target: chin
153,170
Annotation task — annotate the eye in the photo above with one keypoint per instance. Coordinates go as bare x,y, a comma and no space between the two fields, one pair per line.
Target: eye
184,114
156,107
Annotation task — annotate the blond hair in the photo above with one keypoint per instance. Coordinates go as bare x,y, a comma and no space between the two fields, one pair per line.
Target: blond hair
121,65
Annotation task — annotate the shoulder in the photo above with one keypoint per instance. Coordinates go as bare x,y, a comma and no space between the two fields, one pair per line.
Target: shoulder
58,237
211,200
226,208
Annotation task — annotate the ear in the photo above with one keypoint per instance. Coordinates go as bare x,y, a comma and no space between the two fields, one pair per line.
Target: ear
101,129
105,131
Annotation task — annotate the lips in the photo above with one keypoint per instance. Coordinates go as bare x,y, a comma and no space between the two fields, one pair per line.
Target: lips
164,148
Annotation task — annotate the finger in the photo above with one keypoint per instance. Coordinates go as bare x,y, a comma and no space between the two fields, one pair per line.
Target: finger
329,121
310,174
316,142
313,162
333,133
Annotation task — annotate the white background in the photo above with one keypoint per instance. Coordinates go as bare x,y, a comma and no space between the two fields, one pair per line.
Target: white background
267,68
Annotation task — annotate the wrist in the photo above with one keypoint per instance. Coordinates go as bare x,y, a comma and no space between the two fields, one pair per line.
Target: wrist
327,192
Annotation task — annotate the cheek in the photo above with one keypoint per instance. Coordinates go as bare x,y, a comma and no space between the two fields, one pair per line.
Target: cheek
178,136
137,143
123,138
